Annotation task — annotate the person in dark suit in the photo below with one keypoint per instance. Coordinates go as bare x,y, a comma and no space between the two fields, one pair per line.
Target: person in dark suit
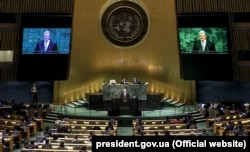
124,81
34,93
124,93
46,45
135,81
203,45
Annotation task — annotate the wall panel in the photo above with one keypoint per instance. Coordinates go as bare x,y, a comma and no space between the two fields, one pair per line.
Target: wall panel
155,60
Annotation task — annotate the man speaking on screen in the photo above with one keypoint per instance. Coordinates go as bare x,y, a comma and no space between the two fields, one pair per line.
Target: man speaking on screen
46,45
203,45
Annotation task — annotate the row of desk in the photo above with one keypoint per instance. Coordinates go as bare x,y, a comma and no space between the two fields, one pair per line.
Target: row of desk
9,123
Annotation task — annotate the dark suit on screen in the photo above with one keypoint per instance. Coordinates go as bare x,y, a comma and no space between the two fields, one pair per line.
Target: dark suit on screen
209,47
40,48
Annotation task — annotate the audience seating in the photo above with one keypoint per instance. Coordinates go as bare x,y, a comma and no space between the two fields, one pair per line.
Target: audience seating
210,121
219,129
173,132
159,127
50,150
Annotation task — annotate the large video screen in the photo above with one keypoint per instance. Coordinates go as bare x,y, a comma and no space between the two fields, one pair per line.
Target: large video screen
203,40
45,47
205,46
46,40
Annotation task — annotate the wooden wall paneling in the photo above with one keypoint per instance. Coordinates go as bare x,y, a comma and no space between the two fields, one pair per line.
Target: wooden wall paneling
187,6
178,6
9,72
52,6
60,6
224,5
2,6
210,6
214,5
234,55
15,6
238,6
9,6
30,6
25,7
241,72
1,32
244,40
241,5
235,40
203,7
244,5
47,6
39,6
9,40
207,6
196,6
240,40
236,74
4,73
183,4
233,33
230,6
246,73
248,40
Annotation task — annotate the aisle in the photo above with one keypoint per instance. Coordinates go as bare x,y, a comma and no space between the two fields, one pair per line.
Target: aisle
124,131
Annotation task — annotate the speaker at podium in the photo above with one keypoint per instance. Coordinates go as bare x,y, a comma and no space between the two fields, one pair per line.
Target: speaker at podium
124,106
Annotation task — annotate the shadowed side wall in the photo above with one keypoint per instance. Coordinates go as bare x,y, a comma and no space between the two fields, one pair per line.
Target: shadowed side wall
95,60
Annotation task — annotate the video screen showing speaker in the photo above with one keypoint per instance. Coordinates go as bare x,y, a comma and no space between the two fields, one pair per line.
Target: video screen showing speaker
45,46
204,47
46,40
203,40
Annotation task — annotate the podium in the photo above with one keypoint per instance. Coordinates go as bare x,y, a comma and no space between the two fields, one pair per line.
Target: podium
124,106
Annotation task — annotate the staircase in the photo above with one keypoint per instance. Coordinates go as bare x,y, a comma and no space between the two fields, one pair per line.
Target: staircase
78,103
52,117
197,116
171,103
